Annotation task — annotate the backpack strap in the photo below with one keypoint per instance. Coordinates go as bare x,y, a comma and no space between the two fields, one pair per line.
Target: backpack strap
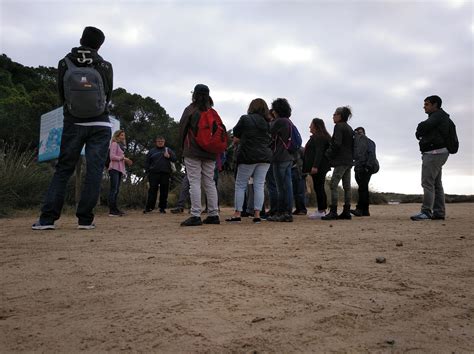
69,63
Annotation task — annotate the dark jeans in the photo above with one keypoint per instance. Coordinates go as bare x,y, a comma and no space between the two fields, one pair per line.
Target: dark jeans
319,181
115,180
183,193
272,190
156,180
299,188
282,175
96,140
363,178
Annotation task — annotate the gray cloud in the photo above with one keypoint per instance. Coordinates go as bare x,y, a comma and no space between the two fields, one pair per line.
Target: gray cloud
382,58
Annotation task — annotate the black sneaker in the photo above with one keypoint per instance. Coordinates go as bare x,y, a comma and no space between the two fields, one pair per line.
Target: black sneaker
234,219
300,212
162,211
146,211
257,220
39,226
115,213
212,220
437,217
177,210
192,221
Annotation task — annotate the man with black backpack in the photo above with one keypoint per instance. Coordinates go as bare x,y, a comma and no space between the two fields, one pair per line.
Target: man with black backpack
365,165
437,139
85,88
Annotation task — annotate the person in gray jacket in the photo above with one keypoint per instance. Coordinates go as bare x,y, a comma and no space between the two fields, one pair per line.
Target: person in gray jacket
365,164
339,154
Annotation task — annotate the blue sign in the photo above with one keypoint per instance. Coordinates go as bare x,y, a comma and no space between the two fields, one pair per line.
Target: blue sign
51,131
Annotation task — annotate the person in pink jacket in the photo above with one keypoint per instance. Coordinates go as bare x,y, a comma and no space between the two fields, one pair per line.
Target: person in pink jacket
117,170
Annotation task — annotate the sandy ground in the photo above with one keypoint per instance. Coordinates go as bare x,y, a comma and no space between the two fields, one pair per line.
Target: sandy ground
142,283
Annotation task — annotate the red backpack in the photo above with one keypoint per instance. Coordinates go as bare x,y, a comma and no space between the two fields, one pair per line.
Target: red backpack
211,132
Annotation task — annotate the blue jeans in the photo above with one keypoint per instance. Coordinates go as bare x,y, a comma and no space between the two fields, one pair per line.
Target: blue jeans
244,172
272,191
282,175
115,179
96,140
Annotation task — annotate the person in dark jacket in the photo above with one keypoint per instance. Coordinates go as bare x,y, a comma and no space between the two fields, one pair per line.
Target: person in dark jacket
340,153
252,134
298,181
365,164
316,163
93,131
431,134
200,164
158,169
282,160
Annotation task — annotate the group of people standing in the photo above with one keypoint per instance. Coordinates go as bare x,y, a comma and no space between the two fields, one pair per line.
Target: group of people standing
262,138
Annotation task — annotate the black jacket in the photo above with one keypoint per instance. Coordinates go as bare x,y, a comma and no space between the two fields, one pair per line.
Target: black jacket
102,66
254,134
432,132
314,154
156,162
340,149
280,130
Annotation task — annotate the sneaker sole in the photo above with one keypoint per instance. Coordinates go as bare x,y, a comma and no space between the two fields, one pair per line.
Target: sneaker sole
44,227
85,227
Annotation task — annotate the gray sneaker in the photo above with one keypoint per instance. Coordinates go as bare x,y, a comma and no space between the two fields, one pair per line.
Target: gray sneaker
420,217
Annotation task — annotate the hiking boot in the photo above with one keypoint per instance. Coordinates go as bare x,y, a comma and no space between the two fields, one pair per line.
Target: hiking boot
192,221
39,226
214,220
346,213
332,214
162,211
234,219
437,217
115,213
274,217
360,212
420,217
86,227
146,211
177,210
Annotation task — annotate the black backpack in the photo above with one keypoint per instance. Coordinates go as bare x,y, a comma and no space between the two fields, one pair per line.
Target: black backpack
451,140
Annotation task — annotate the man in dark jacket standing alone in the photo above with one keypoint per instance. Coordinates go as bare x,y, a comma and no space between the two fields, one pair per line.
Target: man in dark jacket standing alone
85,88
432,134
158,169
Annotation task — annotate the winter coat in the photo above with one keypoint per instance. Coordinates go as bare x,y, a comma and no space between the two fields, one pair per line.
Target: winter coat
254,134
156,162
340,149
314,154
433,131
280,130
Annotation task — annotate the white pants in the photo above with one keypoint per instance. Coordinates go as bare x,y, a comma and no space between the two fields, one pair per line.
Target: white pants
197,171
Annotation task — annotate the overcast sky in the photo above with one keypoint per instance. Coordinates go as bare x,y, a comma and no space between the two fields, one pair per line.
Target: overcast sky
380,57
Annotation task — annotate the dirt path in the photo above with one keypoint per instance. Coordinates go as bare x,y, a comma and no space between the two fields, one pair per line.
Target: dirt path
142,283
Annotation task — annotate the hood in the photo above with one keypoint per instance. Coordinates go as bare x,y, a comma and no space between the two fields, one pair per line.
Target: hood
439,113
82,56
261,123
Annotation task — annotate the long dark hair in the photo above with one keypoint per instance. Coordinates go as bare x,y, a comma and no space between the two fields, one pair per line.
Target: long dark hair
202,101
321,130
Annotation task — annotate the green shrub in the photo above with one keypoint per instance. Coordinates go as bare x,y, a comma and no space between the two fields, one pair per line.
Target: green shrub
23,181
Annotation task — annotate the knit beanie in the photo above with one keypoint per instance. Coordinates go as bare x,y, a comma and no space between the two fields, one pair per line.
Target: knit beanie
92,37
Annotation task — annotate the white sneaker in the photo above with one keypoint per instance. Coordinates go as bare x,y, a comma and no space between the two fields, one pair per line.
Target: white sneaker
316,215
86,227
